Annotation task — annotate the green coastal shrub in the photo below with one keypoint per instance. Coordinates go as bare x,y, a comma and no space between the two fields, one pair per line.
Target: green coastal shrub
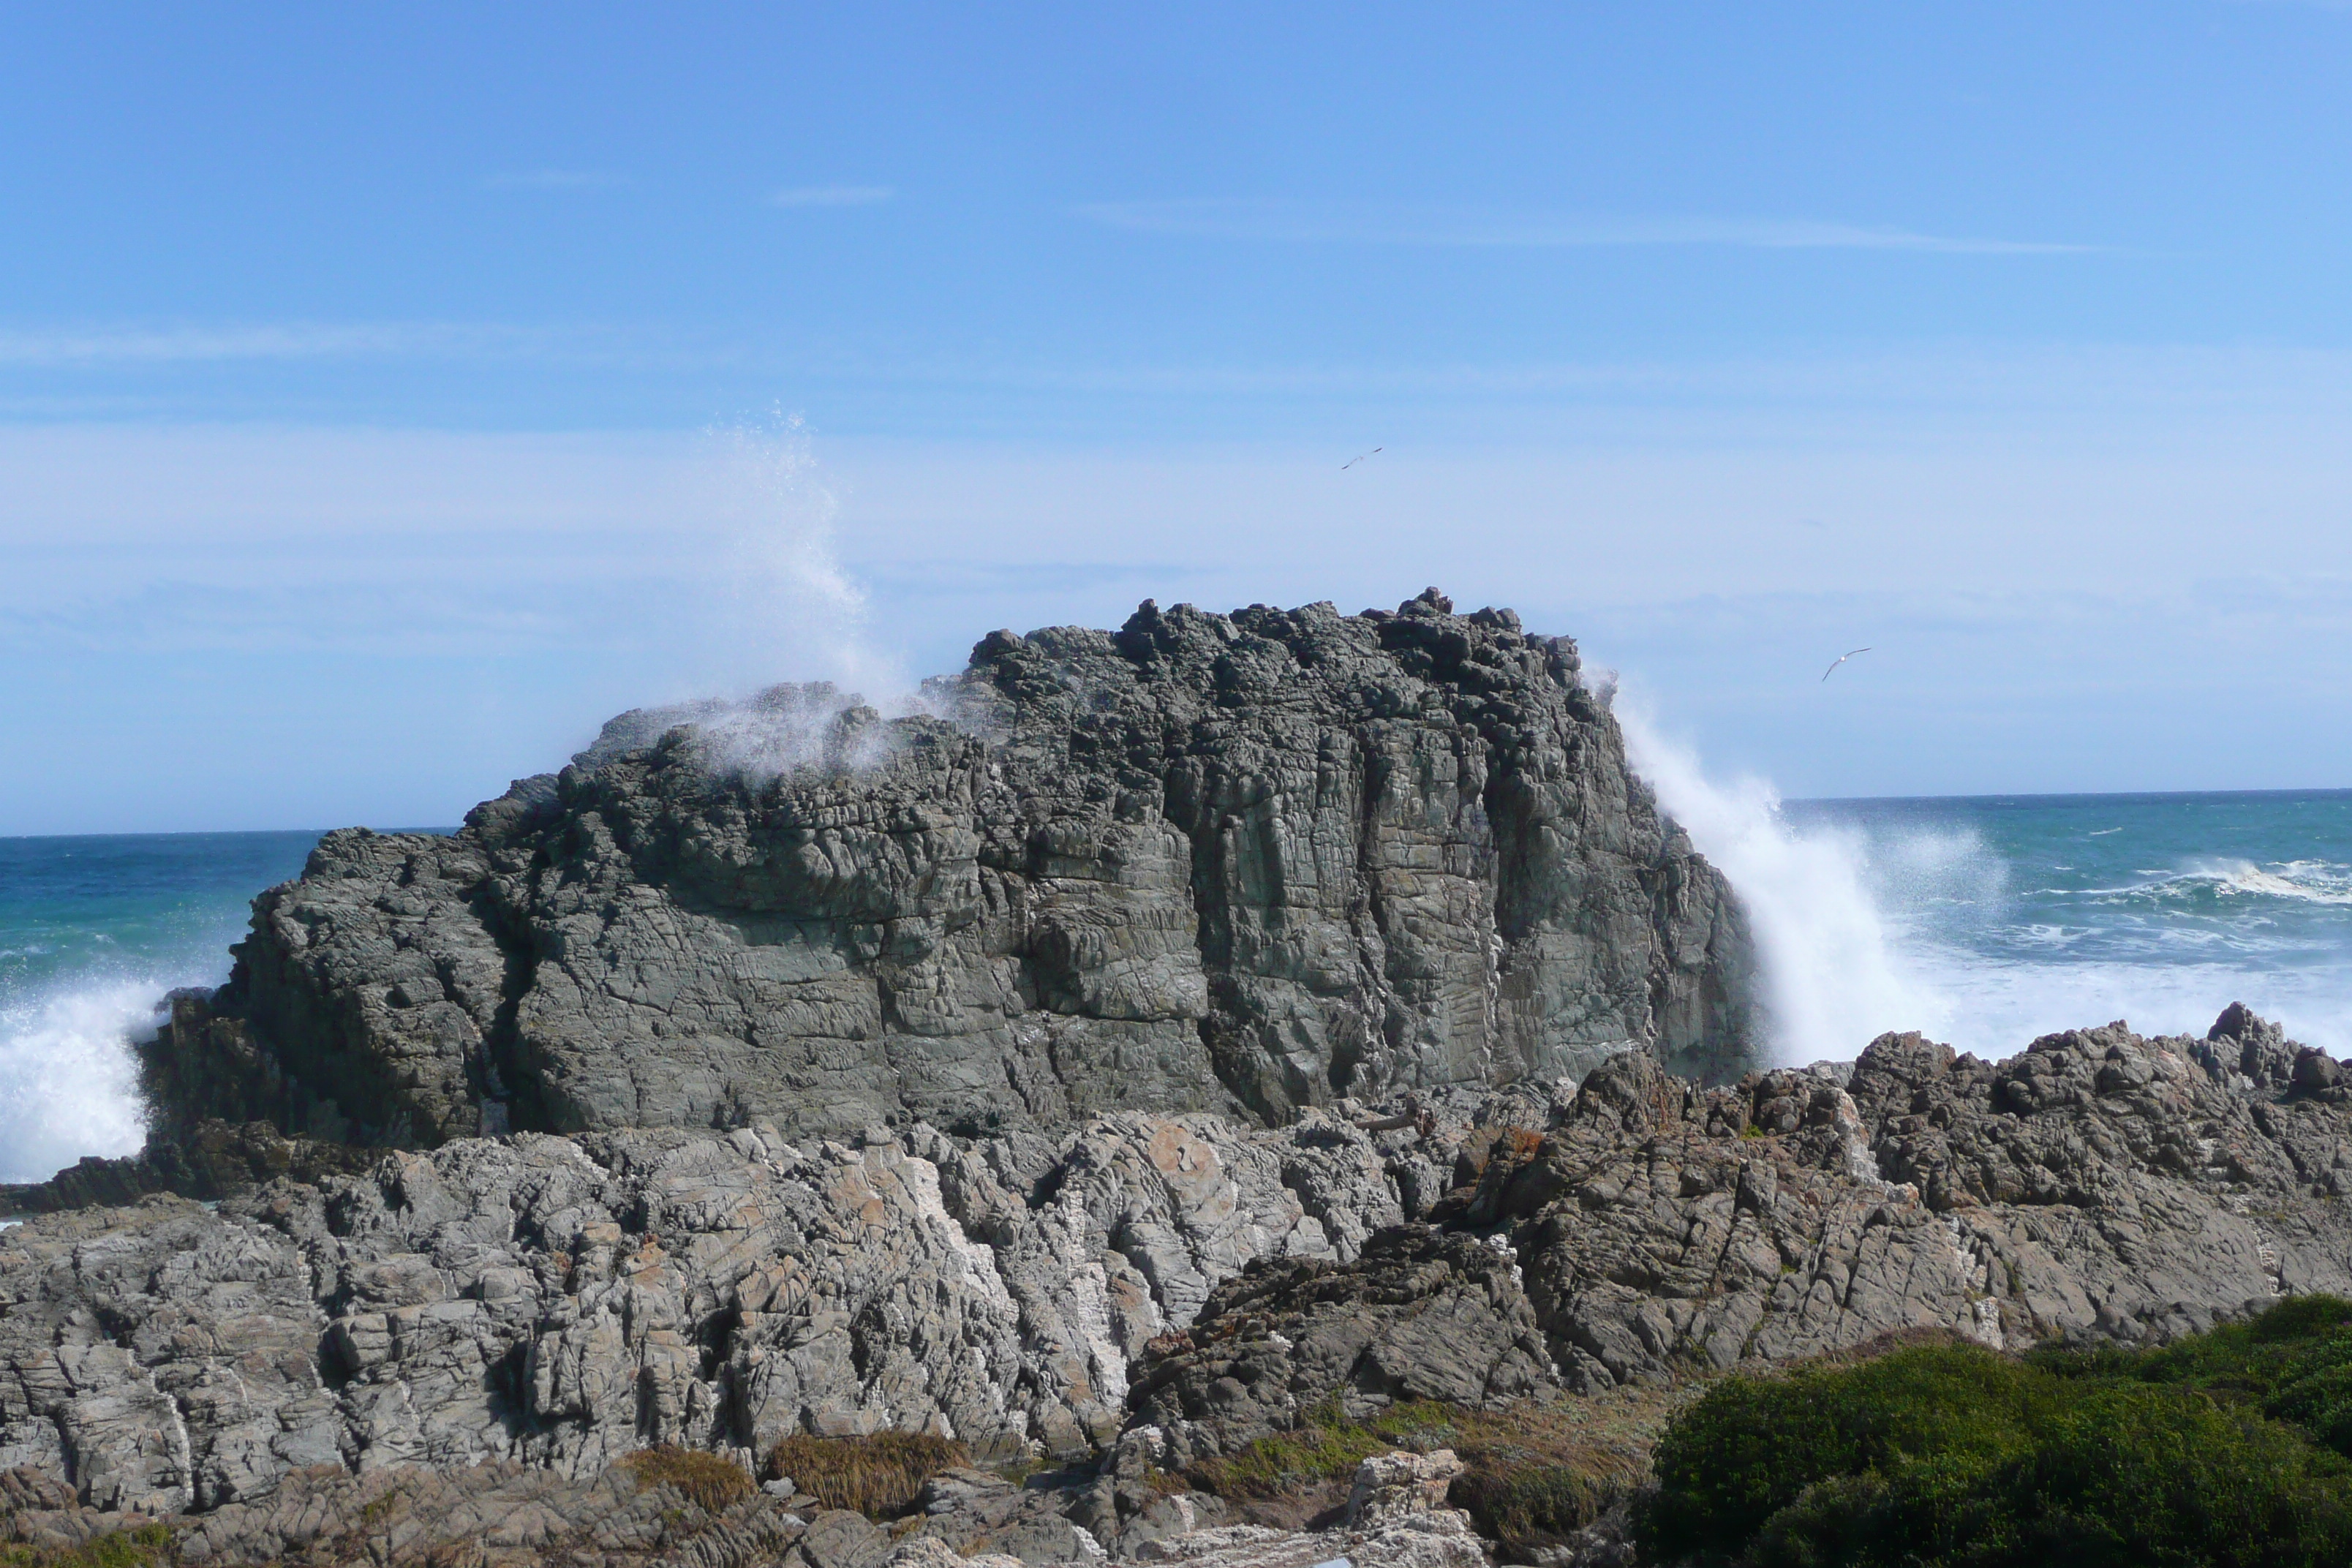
1755,1446
2226,1448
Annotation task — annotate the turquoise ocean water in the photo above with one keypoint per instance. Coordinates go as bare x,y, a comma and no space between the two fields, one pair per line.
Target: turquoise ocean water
1984,921
2009,916
93,932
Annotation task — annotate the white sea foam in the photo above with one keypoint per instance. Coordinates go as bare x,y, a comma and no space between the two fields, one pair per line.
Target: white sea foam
69,1085
1834,975
2312,881
1862,931
2000,1009
2307,881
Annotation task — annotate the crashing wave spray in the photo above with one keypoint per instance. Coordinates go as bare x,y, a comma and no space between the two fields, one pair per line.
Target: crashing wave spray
776,599
69,1084
1834,978
770,598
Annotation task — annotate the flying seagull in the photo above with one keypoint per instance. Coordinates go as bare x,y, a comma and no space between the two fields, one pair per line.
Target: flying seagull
1358,459
1839,660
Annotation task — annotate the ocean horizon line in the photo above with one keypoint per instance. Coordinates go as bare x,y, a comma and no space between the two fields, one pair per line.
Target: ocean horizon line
1991,798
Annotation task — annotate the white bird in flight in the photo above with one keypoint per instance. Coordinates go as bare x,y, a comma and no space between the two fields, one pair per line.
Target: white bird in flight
1839,660
1359,458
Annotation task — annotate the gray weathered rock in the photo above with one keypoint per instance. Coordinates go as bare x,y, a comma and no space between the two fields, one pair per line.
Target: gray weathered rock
2097,1184
1145,1288
1396,1518
1253,862
502,1511
564,1301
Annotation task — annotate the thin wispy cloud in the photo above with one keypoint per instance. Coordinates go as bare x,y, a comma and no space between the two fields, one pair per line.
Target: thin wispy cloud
557,180
831,196
1370,224
283,340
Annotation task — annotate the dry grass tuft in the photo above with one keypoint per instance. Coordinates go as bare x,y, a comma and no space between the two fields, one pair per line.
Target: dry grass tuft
1884,1342
880,1476
146,1546
705,1480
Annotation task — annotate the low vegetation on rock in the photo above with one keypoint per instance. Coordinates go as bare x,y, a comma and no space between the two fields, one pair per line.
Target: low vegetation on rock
880,1476
144,1546
705,1480
2226,1447
1534,1471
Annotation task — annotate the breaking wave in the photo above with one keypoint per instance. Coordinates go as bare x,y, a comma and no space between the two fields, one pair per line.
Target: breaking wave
1835,975
2310,881
68,1081
1986,923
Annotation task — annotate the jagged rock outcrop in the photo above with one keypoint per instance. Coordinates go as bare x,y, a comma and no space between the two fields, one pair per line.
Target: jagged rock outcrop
1175,1033
1242,863
1396,1516
2099,1183
561,1301
565,1301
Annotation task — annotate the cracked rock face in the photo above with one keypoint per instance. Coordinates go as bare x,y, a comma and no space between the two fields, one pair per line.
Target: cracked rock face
562,1303
2099,1183
1419,1314
1242,862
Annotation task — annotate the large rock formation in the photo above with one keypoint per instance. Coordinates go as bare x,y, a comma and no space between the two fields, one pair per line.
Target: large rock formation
1246,863
564,1301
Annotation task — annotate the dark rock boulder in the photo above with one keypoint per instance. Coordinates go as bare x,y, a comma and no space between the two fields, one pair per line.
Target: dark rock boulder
1249,862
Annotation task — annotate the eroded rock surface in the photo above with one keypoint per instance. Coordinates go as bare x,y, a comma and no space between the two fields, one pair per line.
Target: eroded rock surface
1419,1314
1199,1028
1241,863
559,1302
564,1302
2099,1182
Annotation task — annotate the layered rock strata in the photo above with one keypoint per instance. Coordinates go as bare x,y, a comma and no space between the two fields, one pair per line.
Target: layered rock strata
1244,863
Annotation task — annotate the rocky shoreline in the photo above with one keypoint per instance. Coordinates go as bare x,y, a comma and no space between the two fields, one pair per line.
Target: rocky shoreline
1222,1030
1177,1281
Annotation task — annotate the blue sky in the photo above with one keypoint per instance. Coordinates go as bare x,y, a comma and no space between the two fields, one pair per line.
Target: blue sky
385,397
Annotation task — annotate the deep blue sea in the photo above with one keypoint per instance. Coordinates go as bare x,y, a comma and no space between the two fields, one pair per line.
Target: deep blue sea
1984,921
